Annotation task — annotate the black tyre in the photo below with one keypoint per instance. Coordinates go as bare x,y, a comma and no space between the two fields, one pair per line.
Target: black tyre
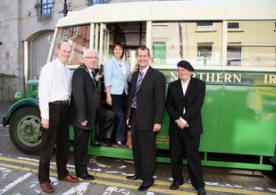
25,131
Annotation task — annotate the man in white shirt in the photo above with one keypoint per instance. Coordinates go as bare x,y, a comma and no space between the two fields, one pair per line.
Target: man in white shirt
54,96
184,102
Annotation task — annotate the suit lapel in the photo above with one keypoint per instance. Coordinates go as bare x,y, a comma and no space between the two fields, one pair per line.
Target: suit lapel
179,89
146,78
133,87
190,86
93,81
88,74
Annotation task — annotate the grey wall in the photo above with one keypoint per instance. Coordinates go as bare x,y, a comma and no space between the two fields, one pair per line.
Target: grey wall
9,50
9,37
19,22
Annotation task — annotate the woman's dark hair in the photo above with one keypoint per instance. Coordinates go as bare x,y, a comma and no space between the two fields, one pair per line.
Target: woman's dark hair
121,46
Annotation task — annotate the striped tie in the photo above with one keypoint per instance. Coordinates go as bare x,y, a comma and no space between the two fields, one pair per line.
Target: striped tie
138,85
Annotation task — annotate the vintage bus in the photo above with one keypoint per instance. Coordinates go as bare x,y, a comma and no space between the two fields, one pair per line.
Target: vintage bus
231,44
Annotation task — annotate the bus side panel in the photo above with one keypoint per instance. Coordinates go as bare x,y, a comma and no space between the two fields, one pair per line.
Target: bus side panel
249,120
212,118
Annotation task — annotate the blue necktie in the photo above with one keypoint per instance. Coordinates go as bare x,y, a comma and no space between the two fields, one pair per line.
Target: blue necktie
138,85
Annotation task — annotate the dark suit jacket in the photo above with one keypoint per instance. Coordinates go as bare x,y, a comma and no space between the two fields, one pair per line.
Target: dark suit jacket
192,101
84,98
150,99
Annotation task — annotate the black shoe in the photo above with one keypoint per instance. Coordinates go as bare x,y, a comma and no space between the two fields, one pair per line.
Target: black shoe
86,177
108,142
120,143
201,191
132,177
175,185
144,187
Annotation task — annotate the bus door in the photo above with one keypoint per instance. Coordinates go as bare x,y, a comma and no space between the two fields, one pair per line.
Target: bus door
131,34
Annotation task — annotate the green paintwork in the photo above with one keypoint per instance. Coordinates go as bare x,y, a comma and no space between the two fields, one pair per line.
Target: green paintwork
239,117
29,131
19,104
32,89
274,159
19,95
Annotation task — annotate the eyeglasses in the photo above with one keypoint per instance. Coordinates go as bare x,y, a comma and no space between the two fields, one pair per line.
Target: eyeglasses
88,57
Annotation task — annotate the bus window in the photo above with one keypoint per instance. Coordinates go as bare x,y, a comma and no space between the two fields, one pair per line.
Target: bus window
251,43
78,36
198,42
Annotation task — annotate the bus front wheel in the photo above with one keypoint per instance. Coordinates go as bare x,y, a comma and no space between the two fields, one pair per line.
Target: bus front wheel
25,131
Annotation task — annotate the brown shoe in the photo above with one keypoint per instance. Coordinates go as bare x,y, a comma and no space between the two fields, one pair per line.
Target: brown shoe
46,187
69,178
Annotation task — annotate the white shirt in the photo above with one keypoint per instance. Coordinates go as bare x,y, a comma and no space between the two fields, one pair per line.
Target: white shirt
90,72
54,85
184,86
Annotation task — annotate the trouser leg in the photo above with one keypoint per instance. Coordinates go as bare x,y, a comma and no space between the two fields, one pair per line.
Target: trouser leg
118,109
176,150
48,141
147,147
106,119
194,160
81,150
136,154
62,151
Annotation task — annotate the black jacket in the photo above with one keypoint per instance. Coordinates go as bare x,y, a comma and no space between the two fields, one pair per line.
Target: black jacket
150,99
84,98
192,101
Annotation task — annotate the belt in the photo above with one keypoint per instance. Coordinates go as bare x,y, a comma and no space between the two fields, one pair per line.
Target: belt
61,102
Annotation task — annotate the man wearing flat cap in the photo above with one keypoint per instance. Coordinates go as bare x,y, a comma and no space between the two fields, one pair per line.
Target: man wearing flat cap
184,102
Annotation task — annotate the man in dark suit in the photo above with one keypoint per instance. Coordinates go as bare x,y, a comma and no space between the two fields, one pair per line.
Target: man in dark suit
85,112
147,101
184,101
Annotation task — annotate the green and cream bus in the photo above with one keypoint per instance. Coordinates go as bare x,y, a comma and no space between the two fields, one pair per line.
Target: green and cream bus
231,44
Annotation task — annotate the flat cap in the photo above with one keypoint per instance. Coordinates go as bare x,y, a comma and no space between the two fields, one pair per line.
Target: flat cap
185,64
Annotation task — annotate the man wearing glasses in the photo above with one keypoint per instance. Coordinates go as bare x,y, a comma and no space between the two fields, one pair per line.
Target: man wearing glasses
86,111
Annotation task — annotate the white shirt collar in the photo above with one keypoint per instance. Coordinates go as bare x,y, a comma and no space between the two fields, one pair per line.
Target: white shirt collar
187,82
145,70
59,63
90,72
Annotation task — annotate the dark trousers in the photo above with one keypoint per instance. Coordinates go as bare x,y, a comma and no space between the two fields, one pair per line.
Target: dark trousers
81,150
181,142
106,120
144,152
119,108
57,133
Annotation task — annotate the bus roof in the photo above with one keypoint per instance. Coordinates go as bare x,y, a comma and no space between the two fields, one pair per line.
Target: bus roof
172,11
